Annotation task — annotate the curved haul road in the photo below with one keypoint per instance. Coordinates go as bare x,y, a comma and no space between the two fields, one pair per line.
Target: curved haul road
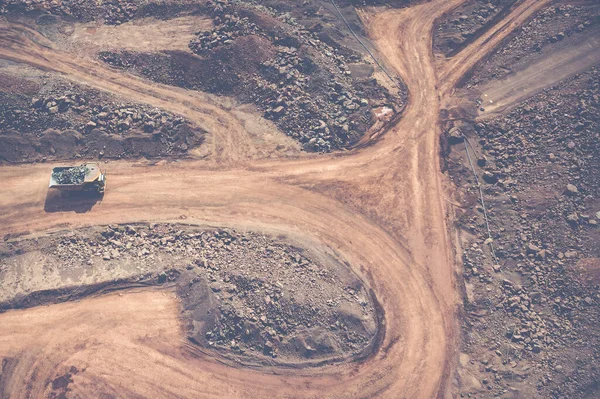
380,208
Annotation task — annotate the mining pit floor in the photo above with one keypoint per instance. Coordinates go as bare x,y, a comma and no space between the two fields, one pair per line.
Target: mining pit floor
230,258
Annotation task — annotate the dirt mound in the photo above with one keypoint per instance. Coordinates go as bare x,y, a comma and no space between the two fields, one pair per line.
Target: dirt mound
250,297
222,73
67,121
301,80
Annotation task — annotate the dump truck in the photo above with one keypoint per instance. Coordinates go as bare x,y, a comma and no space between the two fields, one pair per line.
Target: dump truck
87,177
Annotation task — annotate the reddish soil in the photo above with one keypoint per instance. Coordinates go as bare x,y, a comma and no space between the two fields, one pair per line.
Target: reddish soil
382,209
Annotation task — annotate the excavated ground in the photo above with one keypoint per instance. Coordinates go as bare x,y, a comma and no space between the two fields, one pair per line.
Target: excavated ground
531,316
299,75
529,319
45,118
254,299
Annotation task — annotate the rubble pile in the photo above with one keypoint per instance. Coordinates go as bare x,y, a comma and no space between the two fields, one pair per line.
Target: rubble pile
552,28
112,118
227,27
92,125
111,12
537,309
116,12
74,175
298,78
466,22
334,119
265,313
306,88
244,294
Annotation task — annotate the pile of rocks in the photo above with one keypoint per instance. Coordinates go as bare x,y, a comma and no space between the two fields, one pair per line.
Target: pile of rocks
227,27
306,88
30,5
17,112
116,12
466,22
242,293
113,118
111,12
33,126
60,104
74,175
331,120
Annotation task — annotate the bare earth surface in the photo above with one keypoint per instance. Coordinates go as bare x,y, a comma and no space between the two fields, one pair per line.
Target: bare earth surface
174,34
557,66
381,208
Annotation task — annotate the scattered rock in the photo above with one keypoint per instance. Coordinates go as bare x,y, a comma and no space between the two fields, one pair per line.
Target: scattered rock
572,190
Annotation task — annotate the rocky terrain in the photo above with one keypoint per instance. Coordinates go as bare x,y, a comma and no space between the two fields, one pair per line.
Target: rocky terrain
111,12
532,315
466,22
530,272
116,12
249,296
298,78
551,29
308,74
58,121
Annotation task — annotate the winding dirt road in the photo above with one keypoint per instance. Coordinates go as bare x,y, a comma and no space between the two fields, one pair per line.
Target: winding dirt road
381,209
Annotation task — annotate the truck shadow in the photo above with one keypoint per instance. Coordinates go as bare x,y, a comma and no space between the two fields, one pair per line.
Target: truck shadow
78,202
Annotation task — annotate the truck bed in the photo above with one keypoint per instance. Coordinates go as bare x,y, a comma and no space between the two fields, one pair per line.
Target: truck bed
80,177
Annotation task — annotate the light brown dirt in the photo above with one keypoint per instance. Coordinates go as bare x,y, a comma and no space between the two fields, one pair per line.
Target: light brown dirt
147,34
381,209
555,67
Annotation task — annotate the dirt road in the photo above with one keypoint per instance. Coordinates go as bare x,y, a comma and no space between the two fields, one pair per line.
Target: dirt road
553,68
380,208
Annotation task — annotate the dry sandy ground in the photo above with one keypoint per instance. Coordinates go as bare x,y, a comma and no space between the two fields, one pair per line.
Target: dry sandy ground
173,34
382,209
499,95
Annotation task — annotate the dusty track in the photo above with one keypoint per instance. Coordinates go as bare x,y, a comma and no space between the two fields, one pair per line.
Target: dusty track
381,209
555,67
